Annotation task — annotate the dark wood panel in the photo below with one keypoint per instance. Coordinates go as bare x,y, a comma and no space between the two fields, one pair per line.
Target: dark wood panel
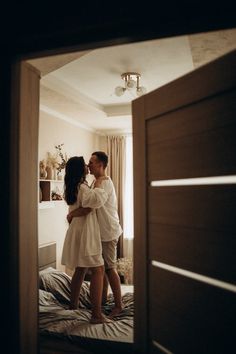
140,239
194,228
187,316
208,206
195,141
157,349
201,251
45,188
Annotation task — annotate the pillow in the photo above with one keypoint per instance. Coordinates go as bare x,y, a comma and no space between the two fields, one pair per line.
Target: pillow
41,274
47,299
59,284
55,282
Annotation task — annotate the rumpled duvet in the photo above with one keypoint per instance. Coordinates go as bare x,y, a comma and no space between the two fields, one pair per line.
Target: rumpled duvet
56,320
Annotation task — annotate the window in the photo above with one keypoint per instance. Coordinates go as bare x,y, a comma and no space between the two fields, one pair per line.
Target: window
128,195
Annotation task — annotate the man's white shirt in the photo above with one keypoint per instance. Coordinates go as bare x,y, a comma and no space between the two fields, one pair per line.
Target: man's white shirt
107,213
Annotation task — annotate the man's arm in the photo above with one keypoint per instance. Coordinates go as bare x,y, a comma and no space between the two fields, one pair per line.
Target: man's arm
77,213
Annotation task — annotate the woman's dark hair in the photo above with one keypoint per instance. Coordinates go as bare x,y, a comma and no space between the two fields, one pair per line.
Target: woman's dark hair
75,174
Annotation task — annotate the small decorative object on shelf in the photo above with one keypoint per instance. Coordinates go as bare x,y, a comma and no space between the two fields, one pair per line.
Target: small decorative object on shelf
125,269
56,194
49,172
59,176
42,169
52,165
51,178
52,190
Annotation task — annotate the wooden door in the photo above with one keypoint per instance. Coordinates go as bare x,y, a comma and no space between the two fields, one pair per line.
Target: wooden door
185,225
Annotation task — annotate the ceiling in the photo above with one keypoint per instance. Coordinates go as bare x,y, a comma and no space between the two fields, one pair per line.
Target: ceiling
79,87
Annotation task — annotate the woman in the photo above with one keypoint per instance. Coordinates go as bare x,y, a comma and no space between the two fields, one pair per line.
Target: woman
82,246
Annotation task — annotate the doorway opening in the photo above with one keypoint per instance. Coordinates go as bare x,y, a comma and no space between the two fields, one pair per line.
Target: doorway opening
62,117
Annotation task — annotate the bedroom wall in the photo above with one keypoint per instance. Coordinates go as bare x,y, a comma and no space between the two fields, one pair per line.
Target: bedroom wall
52,224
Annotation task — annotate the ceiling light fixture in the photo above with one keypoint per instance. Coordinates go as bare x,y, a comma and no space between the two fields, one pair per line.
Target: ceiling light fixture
131,80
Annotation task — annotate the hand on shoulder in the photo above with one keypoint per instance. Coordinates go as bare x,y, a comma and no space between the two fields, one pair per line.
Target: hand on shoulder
99,181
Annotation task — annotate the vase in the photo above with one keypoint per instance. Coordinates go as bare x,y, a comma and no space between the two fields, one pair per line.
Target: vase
59,176
43,173
49,172
54,174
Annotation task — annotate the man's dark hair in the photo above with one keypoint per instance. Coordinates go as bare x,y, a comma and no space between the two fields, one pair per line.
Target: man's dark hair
102,157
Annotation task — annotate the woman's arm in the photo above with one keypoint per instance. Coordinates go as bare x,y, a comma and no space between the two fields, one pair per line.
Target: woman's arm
93,198
77,213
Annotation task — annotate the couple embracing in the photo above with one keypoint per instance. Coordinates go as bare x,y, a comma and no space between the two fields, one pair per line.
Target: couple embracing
93,233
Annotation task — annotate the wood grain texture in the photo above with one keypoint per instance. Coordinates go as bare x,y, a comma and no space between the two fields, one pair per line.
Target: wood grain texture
195,141
46,189
194,228
140,235
28,206
188,316
189,132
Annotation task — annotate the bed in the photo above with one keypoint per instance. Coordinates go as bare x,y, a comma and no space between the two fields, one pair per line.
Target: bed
69,331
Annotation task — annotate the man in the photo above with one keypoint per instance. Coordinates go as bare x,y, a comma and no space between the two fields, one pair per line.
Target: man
110,228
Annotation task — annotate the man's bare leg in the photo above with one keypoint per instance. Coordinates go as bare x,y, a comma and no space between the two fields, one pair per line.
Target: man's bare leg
76,283
114,281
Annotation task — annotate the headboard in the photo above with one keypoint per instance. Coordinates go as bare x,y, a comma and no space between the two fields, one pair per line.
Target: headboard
47,255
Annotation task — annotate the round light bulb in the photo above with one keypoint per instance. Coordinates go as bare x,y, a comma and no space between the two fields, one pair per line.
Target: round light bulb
141,91
119,91
131,83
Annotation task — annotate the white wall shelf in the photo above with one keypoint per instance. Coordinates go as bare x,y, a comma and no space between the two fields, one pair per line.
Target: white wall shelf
48,188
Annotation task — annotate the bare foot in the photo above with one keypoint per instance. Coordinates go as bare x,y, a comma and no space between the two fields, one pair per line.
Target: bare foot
97,320
115,312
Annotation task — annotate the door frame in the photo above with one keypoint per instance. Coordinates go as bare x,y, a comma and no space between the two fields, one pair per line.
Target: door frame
17,209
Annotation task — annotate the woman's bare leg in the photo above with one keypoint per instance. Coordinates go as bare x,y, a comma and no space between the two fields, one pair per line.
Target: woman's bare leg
105,289
76,283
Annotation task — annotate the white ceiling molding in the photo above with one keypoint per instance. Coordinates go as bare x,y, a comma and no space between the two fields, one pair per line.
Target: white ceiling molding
64,117
66,90
57,85
118,110
112,132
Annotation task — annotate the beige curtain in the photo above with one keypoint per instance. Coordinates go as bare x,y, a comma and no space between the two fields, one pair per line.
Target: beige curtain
116,170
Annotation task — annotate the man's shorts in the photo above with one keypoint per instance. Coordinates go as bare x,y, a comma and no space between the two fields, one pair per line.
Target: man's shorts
109,253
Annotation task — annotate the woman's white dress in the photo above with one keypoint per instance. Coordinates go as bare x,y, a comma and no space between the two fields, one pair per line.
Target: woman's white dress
82,245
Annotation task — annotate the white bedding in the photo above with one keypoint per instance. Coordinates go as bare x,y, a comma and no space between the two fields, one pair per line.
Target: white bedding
56,320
